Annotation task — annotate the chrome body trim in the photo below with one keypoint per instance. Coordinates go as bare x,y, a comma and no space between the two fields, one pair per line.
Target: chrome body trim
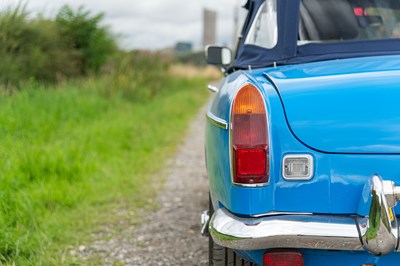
310,159
280,213
250,185
212,88
216,121
205,219
285,231
381,234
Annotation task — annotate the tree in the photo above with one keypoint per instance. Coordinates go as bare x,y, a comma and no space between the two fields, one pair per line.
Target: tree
82,31
32,49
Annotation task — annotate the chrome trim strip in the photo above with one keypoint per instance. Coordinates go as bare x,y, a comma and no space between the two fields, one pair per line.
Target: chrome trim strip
250,185
285,231
281,213
212,88
205,219
216,121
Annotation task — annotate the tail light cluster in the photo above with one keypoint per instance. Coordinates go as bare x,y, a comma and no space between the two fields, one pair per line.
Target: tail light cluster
250,149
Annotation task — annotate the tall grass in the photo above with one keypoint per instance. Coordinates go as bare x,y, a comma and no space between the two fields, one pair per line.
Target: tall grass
135,75
69,154
72,153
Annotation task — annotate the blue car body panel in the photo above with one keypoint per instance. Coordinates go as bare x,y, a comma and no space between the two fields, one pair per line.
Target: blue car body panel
338,178
343,106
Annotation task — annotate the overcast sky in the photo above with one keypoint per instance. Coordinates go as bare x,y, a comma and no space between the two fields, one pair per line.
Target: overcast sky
149,24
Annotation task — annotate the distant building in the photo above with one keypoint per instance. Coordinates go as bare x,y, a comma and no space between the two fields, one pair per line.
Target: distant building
183,47
209,27
235,26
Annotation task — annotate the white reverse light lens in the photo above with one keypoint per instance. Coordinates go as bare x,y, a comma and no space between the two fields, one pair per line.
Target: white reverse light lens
298,167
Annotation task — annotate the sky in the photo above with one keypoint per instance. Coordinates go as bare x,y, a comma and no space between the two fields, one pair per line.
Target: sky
149,24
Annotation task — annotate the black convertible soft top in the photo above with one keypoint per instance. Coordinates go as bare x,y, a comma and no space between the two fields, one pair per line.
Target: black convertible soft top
331,18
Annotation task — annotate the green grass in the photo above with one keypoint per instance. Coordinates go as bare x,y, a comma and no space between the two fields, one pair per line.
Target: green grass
70,158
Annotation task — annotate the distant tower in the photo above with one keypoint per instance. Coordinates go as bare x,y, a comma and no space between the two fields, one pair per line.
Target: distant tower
209,27
235,25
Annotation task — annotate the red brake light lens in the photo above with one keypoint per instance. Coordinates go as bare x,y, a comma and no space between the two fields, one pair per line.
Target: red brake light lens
250,162
250,137
359,11
283,258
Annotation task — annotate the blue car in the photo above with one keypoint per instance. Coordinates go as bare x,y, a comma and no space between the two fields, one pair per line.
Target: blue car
303,136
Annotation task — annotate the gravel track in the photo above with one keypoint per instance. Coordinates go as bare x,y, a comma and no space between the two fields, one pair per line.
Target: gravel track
171,234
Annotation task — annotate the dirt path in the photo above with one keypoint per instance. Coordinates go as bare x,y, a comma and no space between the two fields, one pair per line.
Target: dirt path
170,235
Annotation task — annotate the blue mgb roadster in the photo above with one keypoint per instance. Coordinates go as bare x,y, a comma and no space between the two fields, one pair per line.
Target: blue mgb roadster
303,136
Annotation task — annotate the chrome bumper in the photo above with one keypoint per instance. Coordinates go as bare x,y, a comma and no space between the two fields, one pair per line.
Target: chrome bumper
376,232
285,231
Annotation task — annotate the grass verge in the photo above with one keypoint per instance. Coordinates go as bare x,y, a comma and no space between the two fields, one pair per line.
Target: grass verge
70,157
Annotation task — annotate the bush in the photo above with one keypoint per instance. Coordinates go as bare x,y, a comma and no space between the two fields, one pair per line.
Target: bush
31,49
82,32
51,50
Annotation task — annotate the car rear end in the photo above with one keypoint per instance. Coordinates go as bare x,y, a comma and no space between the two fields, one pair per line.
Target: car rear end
274,192
302,154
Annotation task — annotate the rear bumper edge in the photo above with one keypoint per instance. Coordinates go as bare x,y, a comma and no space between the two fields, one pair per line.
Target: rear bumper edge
285,231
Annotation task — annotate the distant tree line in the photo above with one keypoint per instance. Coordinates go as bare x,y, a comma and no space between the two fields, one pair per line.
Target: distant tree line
74,44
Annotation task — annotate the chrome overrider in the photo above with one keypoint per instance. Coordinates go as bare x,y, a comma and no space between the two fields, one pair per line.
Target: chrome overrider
374,228
380,228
